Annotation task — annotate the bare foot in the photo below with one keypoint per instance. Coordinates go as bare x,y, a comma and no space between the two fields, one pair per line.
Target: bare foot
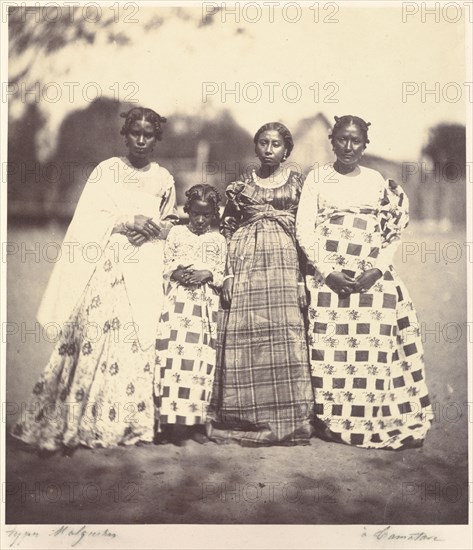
180,434
68,451
200,438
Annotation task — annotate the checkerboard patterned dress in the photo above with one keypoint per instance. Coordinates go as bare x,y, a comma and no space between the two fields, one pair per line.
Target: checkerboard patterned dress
187,331
365,350
262,391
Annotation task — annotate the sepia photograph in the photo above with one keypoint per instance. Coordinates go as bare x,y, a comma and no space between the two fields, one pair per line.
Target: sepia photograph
236,274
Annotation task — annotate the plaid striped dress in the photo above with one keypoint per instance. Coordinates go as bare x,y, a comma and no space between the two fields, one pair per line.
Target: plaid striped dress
262,391
365,349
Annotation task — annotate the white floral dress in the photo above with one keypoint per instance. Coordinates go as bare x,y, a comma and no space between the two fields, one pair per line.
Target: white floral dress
97,388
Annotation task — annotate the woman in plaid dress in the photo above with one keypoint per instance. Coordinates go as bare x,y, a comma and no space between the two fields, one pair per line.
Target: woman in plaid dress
262,392
364,340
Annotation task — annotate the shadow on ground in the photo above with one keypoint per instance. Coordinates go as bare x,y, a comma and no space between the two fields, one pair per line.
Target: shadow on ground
323,483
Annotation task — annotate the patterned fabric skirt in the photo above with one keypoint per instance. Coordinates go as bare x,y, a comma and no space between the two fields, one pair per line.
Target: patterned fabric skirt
185,362
366,351
262,392
97,389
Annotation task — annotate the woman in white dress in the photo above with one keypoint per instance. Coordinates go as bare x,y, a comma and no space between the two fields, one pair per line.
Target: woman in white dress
105,295
365,345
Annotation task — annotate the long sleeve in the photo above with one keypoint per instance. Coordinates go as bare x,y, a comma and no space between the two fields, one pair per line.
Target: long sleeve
306,223
394,215
168,210
386,255
218,262
121,221
170,254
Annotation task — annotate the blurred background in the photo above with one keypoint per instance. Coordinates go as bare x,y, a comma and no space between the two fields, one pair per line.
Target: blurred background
217,75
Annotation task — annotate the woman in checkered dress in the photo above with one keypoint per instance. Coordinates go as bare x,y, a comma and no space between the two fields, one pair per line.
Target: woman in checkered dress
364,340
262,392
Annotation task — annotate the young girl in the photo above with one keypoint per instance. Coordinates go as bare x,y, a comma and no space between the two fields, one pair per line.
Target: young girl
194,261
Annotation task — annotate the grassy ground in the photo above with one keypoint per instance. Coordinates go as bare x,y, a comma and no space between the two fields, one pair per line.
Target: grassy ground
323,483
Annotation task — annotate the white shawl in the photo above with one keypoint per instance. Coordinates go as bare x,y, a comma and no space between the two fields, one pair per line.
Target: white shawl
114,192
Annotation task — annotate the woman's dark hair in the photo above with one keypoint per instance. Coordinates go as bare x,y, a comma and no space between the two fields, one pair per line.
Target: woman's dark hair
346,120
283,132
142,113
205,193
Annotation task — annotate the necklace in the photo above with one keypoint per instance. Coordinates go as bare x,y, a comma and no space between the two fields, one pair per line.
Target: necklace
273,181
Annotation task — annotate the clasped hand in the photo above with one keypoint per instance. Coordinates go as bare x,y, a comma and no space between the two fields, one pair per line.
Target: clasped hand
187,276
142,230
344,285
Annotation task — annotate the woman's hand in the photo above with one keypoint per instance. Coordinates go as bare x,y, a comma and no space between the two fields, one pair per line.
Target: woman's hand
146,226
341,283
301,296
196,276
227,290
367,279
178,274
135,238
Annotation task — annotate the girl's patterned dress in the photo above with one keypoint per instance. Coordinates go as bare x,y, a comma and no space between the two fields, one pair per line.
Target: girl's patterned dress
262,391
186,343
365,350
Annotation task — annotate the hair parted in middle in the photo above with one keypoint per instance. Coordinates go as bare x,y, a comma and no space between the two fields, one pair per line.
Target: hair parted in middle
205,193
346,120
143,113
283,132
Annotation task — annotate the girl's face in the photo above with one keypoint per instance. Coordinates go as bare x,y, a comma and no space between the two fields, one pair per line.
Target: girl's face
200,216
141,139
270,148
348,144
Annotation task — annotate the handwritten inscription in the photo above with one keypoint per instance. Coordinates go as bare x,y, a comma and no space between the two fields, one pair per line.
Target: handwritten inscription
77,535
73,535
16,536
388,534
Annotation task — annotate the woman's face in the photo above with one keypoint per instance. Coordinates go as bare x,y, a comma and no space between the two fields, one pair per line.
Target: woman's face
141,139
270,148
348,144
200,216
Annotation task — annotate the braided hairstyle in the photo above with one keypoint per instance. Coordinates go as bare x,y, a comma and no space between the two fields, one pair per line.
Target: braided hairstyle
142,113
283,132
205,193
346,120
